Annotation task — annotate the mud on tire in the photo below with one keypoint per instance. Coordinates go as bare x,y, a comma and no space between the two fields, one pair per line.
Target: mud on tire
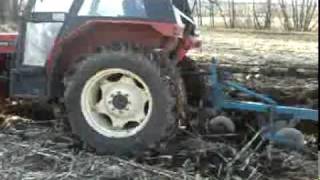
145,65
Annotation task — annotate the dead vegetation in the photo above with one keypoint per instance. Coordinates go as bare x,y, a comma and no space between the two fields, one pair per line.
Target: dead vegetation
43,150
7,28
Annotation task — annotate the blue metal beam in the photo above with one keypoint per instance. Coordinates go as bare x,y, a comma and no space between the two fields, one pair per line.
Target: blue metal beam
296,113
249,92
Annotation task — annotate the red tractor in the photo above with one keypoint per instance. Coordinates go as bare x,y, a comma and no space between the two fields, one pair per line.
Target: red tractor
118,71
110,66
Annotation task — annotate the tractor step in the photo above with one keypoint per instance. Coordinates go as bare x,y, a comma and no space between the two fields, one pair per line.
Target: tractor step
3,87
4,78
28,82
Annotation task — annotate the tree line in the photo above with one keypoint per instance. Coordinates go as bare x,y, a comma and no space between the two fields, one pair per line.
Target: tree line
293,15
9,11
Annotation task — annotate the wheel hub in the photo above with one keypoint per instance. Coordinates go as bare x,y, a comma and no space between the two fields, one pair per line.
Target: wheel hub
120,102
111,104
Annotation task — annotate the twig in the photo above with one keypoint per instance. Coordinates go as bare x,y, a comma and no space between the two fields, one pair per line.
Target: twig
245,148
189,133
220,135
254,172
251,128
254,151
219,171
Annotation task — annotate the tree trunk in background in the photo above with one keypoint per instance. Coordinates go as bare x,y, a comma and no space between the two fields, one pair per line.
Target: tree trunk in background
15,8
286,22
256,20
315,25
268,18
311,9
8,11
211,14
222,14
3,11
232,13
200,12
295,17
302,14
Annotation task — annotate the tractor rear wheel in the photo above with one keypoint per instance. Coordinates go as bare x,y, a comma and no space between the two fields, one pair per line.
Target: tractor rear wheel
120,102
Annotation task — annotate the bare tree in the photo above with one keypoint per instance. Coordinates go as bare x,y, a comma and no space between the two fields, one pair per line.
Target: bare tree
222,14
268,16
256,21
265,14
298,15
295,12
198,8
315,25
232,13
9,11
309,14
4,13
302,14
286,21
211,13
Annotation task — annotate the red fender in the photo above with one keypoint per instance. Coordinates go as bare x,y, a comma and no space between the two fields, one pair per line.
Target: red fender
92,34
7,42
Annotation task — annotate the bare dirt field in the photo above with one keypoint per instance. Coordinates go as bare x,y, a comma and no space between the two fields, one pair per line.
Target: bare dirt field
261,47
282,65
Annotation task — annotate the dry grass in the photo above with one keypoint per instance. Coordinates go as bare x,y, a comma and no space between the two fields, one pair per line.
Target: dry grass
257,47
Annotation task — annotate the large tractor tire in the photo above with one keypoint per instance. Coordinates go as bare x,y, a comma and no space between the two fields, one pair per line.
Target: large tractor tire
120,102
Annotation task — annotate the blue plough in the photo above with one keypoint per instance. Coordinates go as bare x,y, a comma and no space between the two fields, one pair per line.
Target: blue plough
266,104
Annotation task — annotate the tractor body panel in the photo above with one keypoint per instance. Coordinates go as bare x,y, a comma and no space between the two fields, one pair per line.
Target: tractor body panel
93,34
7,43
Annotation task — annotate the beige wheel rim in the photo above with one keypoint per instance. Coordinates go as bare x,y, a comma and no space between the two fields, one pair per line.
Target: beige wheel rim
116,103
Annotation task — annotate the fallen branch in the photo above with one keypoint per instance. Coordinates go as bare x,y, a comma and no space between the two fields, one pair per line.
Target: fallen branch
244,149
